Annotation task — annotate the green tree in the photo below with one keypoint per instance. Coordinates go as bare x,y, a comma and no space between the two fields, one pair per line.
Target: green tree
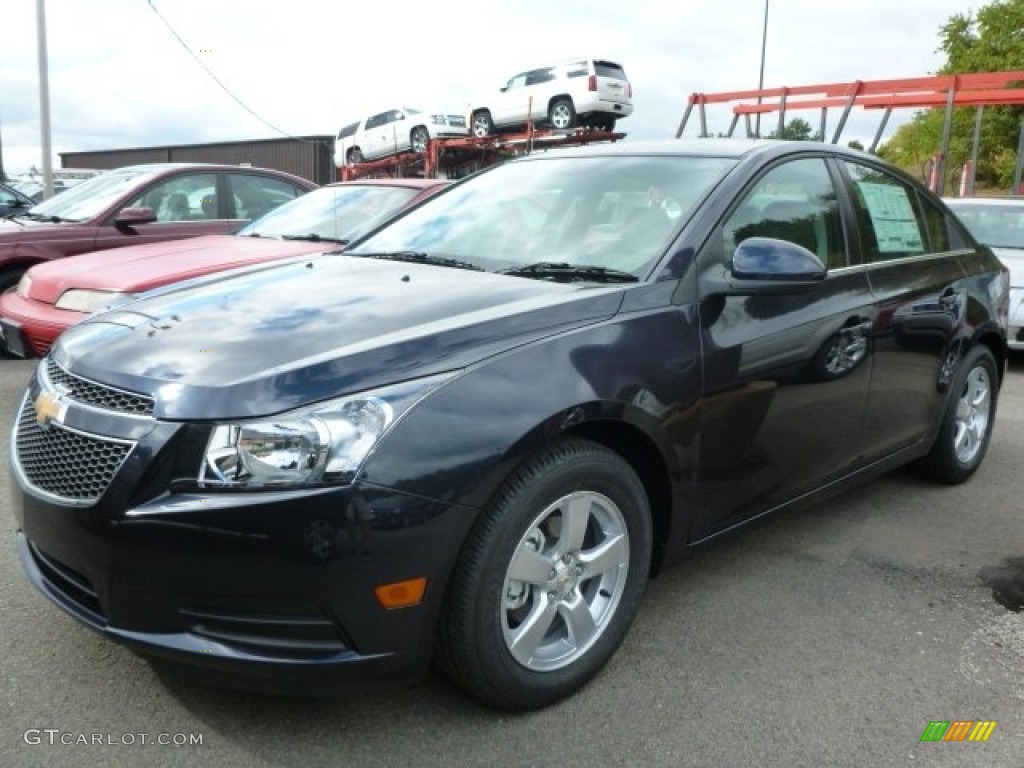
989,41
796,129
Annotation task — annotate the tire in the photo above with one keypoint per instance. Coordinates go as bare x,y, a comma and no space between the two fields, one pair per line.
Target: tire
481,124
526,642
967,423
608,124
419,138
9,279
562,114
354,156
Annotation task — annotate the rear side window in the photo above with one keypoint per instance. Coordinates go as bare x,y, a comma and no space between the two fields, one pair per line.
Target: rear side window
937,227
890,221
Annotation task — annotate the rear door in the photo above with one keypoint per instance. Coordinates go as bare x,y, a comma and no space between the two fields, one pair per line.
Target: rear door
920,293
786,376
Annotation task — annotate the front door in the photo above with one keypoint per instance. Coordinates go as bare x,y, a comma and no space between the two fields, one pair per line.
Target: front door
786,376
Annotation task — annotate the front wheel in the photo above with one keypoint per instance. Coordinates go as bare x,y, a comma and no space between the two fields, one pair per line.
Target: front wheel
967,423
355,156
562,114
419,137
549,580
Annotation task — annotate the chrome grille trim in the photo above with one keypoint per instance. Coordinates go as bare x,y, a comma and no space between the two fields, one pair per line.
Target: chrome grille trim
96,395
64,464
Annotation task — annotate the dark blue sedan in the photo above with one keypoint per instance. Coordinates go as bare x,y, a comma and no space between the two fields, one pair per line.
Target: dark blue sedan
473,436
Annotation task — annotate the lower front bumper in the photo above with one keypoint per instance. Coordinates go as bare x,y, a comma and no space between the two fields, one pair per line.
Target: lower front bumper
264,592
221,663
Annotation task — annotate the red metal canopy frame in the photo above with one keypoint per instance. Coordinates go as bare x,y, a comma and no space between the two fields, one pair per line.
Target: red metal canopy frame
973,89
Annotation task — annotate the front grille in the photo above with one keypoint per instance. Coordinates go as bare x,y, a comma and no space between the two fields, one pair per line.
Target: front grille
97,395
63,462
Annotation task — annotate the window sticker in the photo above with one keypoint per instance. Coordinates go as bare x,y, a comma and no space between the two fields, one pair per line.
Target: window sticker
893,218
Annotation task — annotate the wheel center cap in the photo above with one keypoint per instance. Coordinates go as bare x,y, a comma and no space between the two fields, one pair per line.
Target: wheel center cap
564,580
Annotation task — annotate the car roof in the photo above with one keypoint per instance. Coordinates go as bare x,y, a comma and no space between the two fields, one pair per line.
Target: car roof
415,183
1007,200
736,148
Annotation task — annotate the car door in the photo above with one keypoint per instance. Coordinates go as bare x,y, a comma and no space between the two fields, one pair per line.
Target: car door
177,203
786,375
920,293
510,103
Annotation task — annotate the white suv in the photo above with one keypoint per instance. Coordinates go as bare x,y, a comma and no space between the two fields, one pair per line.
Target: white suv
393,131
590,92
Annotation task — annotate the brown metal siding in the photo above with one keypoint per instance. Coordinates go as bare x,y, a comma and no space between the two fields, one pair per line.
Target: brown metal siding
307,156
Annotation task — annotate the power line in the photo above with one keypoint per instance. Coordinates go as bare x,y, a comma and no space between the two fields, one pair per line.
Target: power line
217,79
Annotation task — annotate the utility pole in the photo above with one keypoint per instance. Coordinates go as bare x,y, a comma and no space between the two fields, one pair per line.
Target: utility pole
760,79
44,100
3,176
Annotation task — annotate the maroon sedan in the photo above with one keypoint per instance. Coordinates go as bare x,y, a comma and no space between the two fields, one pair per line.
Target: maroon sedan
53,296
141,204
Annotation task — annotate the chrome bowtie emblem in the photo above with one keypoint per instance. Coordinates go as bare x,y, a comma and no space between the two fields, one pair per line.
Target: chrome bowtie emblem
49,409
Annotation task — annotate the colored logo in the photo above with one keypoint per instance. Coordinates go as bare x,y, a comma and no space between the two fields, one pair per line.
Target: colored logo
958,730
49,409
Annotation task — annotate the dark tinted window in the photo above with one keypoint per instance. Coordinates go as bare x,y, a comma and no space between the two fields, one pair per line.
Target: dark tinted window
890,221
348,130
935,223
795,201
538,76
609,69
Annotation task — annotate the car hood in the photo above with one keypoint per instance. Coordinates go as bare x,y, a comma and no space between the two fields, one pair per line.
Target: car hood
274,338
28,230
1013,258
137,268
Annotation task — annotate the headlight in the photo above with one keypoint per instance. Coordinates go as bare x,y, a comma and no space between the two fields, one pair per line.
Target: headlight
324,443
24,285
82,300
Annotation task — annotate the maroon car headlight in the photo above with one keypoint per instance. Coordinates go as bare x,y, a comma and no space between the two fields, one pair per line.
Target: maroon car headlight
324,443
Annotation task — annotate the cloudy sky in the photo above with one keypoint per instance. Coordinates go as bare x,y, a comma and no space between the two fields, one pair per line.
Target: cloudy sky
119,77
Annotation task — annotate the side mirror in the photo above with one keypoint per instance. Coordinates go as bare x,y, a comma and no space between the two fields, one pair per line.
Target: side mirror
764,266
131,216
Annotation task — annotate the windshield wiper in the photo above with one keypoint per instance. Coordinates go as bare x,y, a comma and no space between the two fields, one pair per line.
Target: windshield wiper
570,273
420,258
313,237
14,217
43,217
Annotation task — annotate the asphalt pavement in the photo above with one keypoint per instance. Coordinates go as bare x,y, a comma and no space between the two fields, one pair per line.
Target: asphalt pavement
828,637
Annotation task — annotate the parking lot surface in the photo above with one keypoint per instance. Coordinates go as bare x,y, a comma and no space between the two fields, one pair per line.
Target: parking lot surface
828,637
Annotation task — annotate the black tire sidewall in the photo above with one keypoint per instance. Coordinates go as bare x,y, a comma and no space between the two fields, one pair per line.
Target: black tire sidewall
943,463
589,468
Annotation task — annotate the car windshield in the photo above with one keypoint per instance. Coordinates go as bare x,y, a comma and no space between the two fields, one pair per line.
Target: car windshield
90,198
333,213
998,225
614,213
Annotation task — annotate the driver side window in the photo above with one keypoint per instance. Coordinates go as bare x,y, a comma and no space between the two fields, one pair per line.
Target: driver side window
795,201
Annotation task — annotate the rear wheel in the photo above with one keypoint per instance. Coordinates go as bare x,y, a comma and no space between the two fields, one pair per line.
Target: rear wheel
549,579
967,424
419,137
482,125
562,114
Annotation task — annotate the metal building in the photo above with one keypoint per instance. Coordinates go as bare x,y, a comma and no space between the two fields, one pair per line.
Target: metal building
311,157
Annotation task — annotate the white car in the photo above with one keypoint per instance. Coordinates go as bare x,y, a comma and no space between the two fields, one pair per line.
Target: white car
998,222
591,92
393,131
